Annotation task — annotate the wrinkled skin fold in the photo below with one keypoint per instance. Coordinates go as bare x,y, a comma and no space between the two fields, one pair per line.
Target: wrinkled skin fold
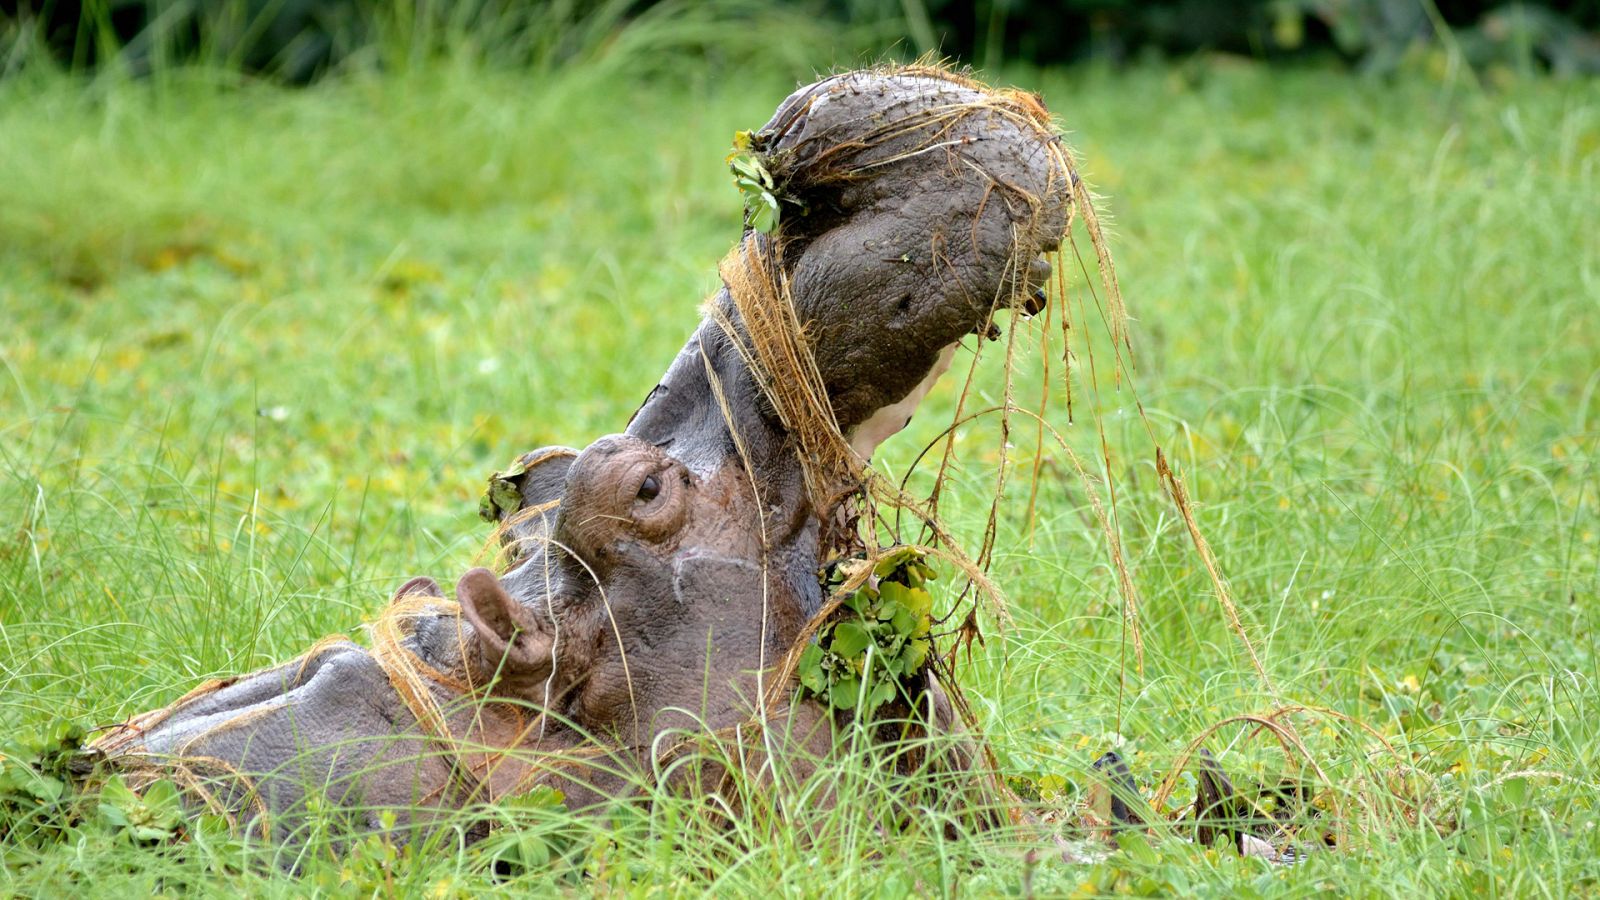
660,574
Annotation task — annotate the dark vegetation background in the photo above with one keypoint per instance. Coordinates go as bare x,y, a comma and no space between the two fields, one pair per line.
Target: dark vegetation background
299,40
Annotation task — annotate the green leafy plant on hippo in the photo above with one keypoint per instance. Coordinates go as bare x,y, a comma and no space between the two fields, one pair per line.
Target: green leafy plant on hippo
877,639
752,172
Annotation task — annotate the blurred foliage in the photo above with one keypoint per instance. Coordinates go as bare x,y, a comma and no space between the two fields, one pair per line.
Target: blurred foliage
297,40
1372,34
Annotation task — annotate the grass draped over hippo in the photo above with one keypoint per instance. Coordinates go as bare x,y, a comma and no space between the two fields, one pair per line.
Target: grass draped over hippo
705,601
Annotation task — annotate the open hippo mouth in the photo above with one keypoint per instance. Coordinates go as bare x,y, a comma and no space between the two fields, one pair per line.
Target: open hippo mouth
658,576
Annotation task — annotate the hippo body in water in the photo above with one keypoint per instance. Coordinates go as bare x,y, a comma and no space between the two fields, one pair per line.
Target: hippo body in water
660,574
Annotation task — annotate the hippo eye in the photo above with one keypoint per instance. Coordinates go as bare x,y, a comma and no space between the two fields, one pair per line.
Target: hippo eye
650,487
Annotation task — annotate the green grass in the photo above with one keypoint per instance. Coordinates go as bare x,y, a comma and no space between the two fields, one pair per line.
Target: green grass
260,347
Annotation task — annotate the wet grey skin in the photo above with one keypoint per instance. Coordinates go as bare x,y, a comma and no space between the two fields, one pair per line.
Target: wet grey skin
659,573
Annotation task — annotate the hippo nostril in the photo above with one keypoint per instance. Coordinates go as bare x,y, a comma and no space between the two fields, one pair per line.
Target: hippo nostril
1036,302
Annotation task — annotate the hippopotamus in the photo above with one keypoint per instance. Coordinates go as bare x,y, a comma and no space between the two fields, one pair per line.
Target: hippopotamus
657,578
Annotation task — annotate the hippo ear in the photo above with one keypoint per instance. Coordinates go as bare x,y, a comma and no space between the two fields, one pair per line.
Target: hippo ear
421,586
511,645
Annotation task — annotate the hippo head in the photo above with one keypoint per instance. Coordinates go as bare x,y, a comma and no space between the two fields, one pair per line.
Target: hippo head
647,565
659,575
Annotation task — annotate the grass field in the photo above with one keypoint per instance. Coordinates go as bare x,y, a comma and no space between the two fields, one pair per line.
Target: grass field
261,346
